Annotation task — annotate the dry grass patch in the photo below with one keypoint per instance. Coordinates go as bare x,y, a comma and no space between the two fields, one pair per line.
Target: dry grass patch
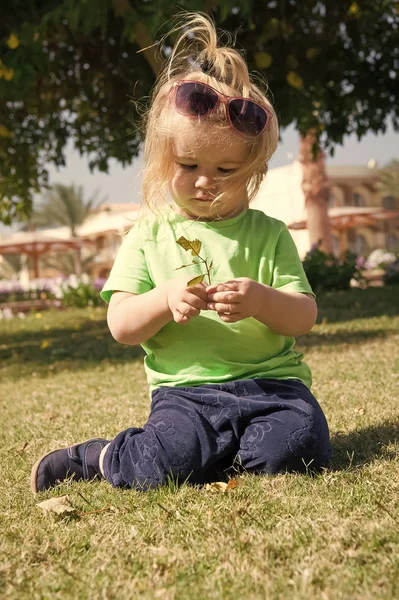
334,536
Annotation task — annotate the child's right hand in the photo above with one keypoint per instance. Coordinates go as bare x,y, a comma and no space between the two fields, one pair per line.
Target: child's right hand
185,302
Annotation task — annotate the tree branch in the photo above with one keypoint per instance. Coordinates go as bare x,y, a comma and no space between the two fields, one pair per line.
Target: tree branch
143,36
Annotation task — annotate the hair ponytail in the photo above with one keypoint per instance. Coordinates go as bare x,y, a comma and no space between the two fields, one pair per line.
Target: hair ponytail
199,55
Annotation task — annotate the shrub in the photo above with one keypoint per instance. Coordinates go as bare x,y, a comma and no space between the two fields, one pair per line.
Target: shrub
78,293
328,272
73,291
380,259
391,275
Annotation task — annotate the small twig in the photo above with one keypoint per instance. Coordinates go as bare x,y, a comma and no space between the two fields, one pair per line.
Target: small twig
166,510
93,512
83,498
244,511
61,566
387,511
23,448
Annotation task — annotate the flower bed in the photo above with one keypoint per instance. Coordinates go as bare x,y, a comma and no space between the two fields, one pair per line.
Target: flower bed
41,294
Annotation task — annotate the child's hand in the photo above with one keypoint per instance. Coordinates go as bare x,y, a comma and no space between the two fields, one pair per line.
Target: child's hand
185,302
234,300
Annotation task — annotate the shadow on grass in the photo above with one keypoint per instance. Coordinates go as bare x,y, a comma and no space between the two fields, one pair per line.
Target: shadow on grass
338,306
360,447
70,340
64,348
340,337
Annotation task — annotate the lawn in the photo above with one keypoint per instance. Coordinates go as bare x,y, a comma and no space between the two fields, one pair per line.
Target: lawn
335,536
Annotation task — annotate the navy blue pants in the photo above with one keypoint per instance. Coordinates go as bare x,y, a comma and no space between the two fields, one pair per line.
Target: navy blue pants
195,433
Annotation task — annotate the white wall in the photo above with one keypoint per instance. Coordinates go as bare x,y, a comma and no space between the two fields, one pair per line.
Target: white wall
281,196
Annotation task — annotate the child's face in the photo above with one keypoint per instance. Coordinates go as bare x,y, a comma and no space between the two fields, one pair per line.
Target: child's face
199,169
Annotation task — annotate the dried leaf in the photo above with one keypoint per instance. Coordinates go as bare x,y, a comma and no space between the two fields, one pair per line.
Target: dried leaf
196,280
216,486
182,267
221,487
210,266
59,506
194,245
231,485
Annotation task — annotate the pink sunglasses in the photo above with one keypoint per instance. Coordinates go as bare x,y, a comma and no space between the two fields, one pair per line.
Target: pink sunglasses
196,99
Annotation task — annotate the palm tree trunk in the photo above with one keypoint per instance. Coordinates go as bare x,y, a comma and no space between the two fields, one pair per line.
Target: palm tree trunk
316,190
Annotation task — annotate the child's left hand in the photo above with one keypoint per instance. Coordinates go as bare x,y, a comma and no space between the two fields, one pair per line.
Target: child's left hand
235,300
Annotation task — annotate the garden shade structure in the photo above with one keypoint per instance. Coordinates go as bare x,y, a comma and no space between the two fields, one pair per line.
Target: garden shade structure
343,218
35,244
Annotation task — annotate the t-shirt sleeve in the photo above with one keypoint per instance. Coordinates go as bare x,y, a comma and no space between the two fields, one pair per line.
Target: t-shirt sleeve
288,272
129,272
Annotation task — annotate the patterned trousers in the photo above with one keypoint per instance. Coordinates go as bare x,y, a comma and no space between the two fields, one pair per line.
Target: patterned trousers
195,433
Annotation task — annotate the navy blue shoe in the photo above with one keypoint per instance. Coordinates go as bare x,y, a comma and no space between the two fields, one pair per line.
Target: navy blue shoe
76,462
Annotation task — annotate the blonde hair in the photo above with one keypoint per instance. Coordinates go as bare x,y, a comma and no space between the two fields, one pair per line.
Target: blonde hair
226,71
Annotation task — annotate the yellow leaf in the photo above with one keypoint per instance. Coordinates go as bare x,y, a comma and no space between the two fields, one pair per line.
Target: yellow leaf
196,280
354,8
312,53
231,485
8,74
294,80
38,315
262,60
13,41
194,246
45,344
216,486
4,132
58,506
221,487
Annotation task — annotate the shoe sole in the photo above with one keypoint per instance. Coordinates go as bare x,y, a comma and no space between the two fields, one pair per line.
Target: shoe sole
35,468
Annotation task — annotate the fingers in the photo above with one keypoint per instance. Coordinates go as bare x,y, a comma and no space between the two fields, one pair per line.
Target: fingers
226,297
199,291
196,302
232,285
230,318
179,318
222,307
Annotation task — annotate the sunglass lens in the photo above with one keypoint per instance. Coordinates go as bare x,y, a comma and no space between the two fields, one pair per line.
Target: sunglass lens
194,99
247,117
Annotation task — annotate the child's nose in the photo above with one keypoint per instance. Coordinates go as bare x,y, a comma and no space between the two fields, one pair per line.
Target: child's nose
204,181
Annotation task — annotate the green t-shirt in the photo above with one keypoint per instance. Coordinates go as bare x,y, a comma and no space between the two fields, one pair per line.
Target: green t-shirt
207,350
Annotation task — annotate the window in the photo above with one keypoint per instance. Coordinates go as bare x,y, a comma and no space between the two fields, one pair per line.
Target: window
357,243
358,200
390,203
336,248
392,242
361,245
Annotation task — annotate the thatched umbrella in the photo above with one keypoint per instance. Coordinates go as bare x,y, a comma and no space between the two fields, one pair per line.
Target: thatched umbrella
35,244
343,218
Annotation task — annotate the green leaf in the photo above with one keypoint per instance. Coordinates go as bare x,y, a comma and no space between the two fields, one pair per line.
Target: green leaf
196,280
262,60
194,245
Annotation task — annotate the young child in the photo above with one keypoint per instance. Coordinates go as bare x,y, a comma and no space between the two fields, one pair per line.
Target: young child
228,388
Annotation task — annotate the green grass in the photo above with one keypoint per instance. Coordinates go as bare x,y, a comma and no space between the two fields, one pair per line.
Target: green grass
63,379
